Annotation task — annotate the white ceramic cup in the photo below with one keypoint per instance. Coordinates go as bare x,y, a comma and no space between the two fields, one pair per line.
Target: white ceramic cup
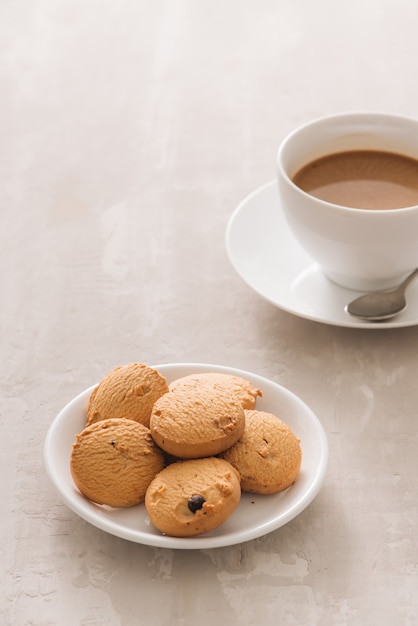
357,248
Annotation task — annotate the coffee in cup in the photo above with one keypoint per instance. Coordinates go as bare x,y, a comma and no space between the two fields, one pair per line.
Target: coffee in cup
362,179
348,188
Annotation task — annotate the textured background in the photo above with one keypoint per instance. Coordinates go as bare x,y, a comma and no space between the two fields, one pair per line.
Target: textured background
130,130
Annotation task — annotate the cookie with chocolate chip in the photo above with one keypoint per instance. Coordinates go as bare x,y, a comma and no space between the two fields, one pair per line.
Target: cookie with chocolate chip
193,497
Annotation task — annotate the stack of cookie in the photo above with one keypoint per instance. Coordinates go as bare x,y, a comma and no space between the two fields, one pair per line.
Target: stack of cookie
187,449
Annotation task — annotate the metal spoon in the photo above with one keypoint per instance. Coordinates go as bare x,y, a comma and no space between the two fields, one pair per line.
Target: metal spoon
378,306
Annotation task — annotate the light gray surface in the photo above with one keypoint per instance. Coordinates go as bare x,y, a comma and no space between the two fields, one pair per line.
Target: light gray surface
130,132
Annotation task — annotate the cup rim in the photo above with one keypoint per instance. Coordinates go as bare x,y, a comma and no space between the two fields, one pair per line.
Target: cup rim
372,114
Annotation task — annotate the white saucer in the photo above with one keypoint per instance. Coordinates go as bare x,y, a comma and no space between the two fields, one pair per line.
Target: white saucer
268,258
255,515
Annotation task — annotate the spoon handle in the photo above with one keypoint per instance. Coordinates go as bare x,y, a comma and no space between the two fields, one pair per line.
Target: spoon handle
408,279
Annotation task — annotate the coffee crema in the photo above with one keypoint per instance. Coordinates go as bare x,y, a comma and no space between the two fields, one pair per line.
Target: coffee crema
362,179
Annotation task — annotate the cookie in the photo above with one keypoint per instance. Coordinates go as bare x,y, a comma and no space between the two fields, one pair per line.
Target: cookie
193,497
190,422
245,392
127,391
267,456
113,461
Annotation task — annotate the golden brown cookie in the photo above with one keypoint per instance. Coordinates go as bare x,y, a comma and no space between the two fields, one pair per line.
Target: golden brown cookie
268,455
191,422
239,387
193,497
113,462
127,391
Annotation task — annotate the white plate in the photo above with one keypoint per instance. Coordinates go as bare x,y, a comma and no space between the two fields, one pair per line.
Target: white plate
268,258
254,516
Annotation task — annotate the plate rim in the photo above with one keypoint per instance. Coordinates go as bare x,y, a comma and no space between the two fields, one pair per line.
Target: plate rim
201,541
311,265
